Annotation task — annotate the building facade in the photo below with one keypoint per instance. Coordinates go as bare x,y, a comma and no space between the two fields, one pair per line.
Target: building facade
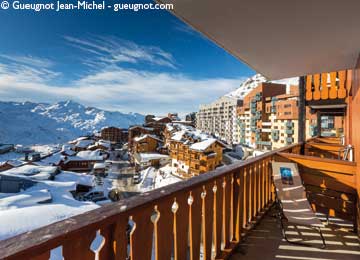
219,119
114,134
268,118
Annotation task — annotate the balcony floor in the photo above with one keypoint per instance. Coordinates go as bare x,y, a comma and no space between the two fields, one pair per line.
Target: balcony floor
265,242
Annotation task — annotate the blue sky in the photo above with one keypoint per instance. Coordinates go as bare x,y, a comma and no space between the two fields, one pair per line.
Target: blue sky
145,61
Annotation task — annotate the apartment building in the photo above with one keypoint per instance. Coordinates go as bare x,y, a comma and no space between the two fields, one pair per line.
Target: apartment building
253,124
269,117
219,119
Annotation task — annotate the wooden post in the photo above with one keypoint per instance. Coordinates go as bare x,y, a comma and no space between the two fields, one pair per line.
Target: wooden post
302,112
318,123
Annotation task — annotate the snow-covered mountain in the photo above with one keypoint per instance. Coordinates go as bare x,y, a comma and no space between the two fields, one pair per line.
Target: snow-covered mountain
252,82
42,123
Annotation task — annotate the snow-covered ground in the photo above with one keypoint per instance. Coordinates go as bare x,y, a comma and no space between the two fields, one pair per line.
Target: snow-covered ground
44,203
152,178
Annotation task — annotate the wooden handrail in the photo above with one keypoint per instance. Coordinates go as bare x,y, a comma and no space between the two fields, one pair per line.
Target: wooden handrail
223,201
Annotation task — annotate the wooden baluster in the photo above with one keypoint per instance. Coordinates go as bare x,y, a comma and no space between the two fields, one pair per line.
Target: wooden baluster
107,250
324,93
333,88
246,195
181,226
342,79
251,193
227,209
120,239
79,248
262,184
309,92
207,218
349,77
195,224
218,214
141,238
241,203
255,189
164,230
268,177
261,191
266,182
235,211
316,93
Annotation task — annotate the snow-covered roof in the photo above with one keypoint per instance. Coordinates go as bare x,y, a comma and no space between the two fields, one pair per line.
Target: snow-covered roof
32,172
99,166
195,138
178,126
203,145
14,163
84,143
53,159
143,127
6,146
103,143
139,138
145,157
158,118
96,155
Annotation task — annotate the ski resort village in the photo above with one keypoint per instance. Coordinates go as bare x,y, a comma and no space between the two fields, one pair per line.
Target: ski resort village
44,183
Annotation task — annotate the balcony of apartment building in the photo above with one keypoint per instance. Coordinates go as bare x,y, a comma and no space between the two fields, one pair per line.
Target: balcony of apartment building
228,213
221,214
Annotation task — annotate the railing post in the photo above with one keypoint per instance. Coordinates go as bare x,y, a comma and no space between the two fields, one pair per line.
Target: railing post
302,112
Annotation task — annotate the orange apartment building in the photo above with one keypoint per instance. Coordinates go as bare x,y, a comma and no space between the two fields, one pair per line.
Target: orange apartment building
253,112
270,121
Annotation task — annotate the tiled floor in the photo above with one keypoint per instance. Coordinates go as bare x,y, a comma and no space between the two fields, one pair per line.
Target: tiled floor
265,242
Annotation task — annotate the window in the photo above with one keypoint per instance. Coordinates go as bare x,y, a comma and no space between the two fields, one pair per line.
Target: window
287,105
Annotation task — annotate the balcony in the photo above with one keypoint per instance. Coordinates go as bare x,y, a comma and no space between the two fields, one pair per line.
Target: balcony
289,131
224,205
289,124
289,140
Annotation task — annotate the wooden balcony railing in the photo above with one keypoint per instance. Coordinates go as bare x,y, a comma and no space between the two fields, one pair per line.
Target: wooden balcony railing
325,150
325,140
324,86
206,214
330,184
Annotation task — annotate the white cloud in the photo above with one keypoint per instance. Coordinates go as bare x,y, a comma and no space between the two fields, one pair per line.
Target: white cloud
112,50
28,60
109,85
120,89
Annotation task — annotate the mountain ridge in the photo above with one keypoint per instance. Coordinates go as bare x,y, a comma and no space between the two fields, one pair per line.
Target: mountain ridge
43,123
252,82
